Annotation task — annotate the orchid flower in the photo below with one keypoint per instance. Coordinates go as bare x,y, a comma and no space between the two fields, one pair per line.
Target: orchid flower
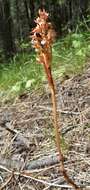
42,40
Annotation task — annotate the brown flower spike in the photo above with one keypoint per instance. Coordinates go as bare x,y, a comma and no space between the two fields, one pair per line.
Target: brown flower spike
42,39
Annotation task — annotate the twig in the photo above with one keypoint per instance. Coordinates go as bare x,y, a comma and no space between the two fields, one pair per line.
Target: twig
68,129
47,108
28,174
7,125
33,119
14,132
17,135
7,182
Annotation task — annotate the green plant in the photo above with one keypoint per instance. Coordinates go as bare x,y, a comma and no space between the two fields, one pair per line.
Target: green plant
19,75
71,53
42,39
23,74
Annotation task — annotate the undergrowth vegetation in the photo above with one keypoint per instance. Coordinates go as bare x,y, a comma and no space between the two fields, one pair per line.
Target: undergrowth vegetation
23,73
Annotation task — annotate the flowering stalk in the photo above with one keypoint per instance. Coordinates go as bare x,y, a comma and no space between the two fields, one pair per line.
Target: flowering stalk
42,39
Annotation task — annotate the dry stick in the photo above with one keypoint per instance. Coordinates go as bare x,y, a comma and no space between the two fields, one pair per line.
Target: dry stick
57,132
27,174
7,182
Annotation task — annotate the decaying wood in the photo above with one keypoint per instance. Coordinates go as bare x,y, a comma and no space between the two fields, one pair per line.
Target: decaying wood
43,162
34,164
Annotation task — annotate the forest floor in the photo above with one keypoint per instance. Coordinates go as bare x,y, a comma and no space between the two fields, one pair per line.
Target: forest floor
28,155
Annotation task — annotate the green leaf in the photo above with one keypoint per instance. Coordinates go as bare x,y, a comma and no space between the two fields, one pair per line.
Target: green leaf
16,87
76,44
80,53
29,83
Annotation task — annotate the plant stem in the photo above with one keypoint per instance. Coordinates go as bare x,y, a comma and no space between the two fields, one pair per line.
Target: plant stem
57,132
58,140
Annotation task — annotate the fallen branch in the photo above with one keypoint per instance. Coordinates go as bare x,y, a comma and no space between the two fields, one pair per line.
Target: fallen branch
43,162
28,174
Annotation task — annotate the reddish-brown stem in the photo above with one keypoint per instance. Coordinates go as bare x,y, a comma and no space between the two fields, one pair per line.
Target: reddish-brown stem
57,131
58,141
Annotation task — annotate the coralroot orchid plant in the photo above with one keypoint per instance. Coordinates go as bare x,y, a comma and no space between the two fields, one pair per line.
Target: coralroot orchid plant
42,39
